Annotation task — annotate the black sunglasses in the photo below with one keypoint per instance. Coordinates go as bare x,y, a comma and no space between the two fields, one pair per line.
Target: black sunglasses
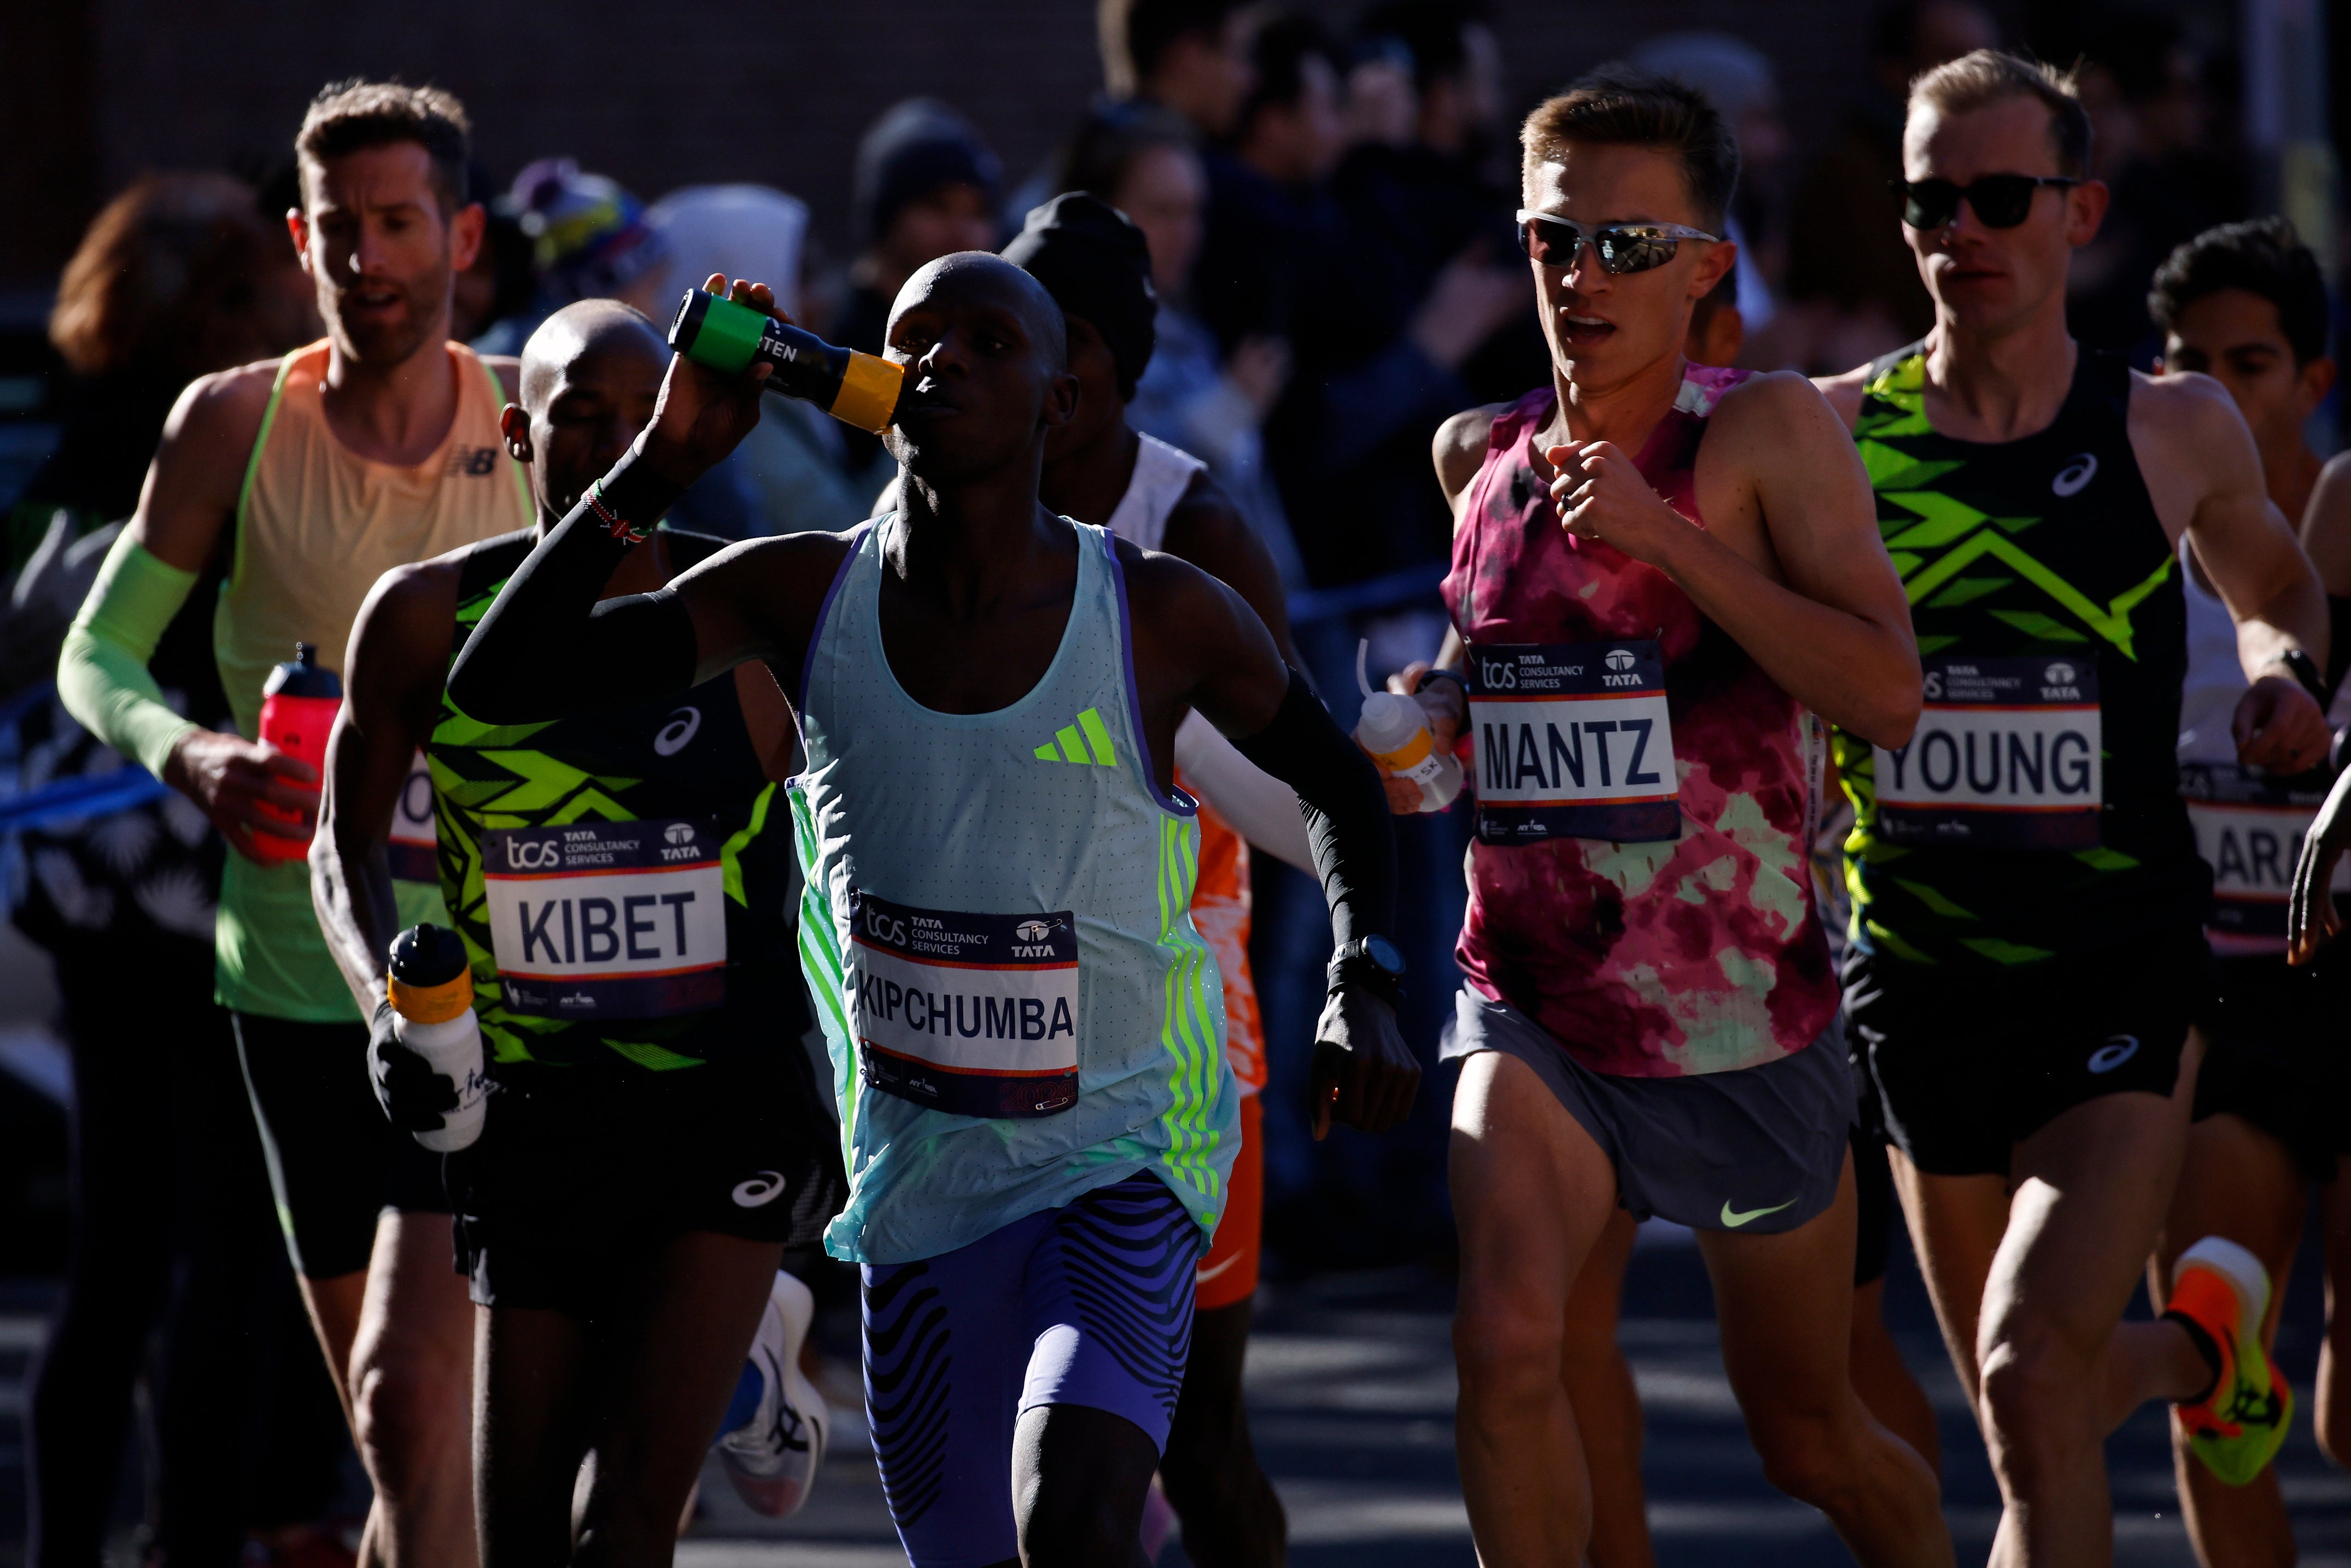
1621,248
2001,200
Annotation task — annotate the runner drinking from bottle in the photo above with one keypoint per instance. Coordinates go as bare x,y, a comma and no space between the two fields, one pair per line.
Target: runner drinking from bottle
2028,954
1656,568
1026,1029
654,1139
1097,266
319,472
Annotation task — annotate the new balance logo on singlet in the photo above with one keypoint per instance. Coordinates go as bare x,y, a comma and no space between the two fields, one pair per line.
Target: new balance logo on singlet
472,462
1075,739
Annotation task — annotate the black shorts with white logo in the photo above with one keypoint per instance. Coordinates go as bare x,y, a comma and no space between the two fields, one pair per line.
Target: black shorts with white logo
585,1173
2277,1052
1969,1062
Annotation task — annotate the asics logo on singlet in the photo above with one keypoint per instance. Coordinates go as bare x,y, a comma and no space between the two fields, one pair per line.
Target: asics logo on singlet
679,730
2118,1050
763,1188
2075,476
1075,739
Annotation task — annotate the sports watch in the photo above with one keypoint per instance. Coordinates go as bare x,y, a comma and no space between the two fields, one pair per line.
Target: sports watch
2306,673
1373,963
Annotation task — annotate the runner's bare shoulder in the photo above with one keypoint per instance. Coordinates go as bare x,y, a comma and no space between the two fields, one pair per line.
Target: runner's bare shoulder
1846,393
1460,449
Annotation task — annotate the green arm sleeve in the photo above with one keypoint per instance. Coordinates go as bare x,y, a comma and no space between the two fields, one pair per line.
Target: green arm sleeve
102,673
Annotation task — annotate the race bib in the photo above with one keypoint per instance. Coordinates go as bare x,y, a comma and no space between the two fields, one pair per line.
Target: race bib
2005,757
975,1014
607,920
2248,829
414,844
1573,741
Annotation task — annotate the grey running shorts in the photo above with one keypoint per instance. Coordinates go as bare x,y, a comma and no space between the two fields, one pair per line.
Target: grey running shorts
1757,1150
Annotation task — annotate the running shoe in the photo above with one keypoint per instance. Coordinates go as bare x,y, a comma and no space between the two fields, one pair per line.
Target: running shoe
2239,1427
776,1425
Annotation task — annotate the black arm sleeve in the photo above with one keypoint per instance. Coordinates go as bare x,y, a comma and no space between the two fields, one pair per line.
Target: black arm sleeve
546,649
1346,810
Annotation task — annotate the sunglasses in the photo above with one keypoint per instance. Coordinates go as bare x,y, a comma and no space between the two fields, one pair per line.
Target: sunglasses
2001,200
1621,248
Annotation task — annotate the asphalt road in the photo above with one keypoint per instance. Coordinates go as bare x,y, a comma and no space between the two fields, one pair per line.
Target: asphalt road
1351,1391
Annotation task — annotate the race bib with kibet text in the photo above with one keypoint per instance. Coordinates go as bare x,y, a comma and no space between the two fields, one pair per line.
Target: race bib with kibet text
607,920
2005,756
974,1014
1572,741
2249,829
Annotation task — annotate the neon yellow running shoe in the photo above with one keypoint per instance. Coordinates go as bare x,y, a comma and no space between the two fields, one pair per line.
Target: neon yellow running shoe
2238,1427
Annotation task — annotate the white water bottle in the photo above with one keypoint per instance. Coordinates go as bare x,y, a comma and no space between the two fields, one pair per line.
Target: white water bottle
1395,732
432,987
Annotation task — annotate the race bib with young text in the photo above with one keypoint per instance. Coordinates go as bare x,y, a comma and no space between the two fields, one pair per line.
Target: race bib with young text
974,1014
1573,741
607,920
2006,757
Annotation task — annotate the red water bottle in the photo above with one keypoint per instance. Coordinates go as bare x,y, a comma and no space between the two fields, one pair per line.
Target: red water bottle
297,709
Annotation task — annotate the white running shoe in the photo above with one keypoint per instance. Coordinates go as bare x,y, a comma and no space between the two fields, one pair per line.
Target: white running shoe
773,1457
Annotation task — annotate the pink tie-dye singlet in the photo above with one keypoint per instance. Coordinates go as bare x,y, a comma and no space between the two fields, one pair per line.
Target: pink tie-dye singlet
1697,954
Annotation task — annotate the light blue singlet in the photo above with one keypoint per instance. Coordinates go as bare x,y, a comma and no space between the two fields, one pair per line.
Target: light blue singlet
997,931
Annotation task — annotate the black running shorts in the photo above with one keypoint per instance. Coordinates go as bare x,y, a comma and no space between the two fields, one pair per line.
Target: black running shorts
1969,1062
336,1164
2276,1053
584,1173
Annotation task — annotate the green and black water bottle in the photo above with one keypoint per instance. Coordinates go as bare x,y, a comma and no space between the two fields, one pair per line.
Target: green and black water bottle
856,389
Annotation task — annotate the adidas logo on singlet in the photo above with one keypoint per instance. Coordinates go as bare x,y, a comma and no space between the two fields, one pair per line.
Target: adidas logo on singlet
1074,740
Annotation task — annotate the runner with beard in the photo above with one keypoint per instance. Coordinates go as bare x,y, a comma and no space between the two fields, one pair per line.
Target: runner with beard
315,473
1026,1028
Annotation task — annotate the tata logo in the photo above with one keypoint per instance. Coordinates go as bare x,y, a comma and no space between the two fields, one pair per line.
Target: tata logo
1034,930
534,854
2059,675
679,832
2075,476
1619,659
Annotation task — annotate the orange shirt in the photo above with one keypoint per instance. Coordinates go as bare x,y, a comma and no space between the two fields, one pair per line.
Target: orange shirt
1220,910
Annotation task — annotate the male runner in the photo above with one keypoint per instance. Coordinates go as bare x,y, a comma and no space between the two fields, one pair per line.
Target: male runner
1650,1018
645,1163
2027,956
2245,304
319,472
1027,1030
1097,266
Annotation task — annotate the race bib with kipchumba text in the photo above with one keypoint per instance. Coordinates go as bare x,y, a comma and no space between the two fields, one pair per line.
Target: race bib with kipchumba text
607,920
412,849
2248,829
974,1014
1573,741
2005,757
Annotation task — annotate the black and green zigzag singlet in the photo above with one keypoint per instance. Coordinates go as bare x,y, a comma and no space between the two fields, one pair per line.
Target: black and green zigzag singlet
2042,559
687,764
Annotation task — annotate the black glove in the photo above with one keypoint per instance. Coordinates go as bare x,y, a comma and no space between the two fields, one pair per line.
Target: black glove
414,1097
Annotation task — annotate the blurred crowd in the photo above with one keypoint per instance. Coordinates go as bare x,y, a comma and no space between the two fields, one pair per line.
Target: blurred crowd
1328,212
